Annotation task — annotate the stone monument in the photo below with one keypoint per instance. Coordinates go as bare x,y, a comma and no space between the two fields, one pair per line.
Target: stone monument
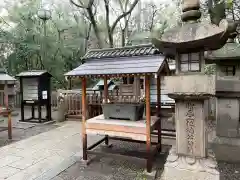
191,158
226,145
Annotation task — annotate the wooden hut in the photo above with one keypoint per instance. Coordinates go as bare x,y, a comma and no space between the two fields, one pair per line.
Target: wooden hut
8,82
35,91
131,63
7,87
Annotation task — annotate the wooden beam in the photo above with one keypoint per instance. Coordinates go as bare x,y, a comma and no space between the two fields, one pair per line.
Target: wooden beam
148,123
84,118
8,110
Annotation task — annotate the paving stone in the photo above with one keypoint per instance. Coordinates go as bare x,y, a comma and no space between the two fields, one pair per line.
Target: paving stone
9,151
8,160
37,169
57,178
31,159
54,170
7,171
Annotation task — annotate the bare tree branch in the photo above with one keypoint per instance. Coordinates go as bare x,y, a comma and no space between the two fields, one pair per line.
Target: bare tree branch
124,15
107,23
91,16
78,5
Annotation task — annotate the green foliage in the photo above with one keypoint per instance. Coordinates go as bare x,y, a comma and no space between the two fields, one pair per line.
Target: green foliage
24,44
210,69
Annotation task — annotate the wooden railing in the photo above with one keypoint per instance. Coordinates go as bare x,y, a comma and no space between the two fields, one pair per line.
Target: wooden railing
72,99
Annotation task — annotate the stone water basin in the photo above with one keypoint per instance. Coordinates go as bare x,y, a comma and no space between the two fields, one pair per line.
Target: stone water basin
125,111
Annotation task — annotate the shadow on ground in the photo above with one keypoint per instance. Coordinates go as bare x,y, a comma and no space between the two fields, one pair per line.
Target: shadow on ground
23,130
20,134
104,167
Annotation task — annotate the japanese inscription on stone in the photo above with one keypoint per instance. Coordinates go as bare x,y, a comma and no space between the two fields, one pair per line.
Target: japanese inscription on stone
190,124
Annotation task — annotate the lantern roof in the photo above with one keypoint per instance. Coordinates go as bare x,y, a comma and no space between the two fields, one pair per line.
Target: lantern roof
193,35
230,51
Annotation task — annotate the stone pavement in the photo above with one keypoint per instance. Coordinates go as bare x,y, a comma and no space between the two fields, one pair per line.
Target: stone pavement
43,156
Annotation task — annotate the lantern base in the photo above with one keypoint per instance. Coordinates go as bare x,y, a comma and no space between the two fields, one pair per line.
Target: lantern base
185,168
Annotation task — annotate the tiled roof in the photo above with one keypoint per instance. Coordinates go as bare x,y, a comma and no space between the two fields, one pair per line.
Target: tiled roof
139,59
32,73
121,65
5,77
147,49
229,51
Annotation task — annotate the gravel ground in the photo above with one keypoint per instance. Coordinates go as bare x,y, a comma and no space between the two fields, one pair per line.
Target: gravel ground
229,171
110,168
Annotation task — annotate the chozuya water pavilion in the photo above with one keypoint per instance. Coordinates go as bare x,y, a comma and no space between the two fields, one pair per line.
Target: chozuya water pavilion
191,158
121,120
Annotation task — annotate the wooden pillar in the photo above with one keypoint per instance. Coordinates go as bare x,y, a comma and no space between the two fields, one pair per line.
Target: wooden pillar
158,95
70,83
49,103
33,112
105,89
106,101
137,89
8,110
39,113
22,104
148,123
159,127
84,118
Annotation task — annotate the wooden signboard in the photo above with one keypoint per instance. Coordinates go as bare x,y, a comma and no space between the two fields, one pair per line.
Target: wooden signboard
30,89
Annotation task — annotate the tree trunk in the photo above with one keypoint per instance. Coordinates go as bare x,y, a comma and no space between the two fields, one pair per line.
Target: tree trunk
95,27
216,9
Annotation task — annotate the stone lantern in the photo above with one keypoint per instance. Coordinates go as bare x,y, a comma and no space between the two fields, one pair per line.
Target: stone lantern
226,143
190,88
44,14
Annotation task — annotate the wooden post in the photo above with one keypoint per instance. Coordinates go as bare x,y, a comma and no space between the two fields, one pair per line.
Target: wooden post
84,115
33,112
106,101
8,110
158,96
105,89
137,88
39,113
22,104
159,127
70,83
148,123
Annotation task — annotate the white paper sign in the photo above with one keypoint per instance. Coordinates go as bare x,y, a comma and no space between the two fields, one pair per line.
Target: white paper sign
44,94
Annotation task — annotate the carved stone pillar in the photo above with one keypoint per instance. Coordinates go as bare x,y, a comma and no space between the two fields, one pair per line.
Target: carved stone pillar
190,159
190,124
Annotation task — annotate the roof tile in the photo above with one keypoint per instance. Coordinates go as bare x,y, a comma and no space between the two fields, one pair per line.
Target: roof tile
147,49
